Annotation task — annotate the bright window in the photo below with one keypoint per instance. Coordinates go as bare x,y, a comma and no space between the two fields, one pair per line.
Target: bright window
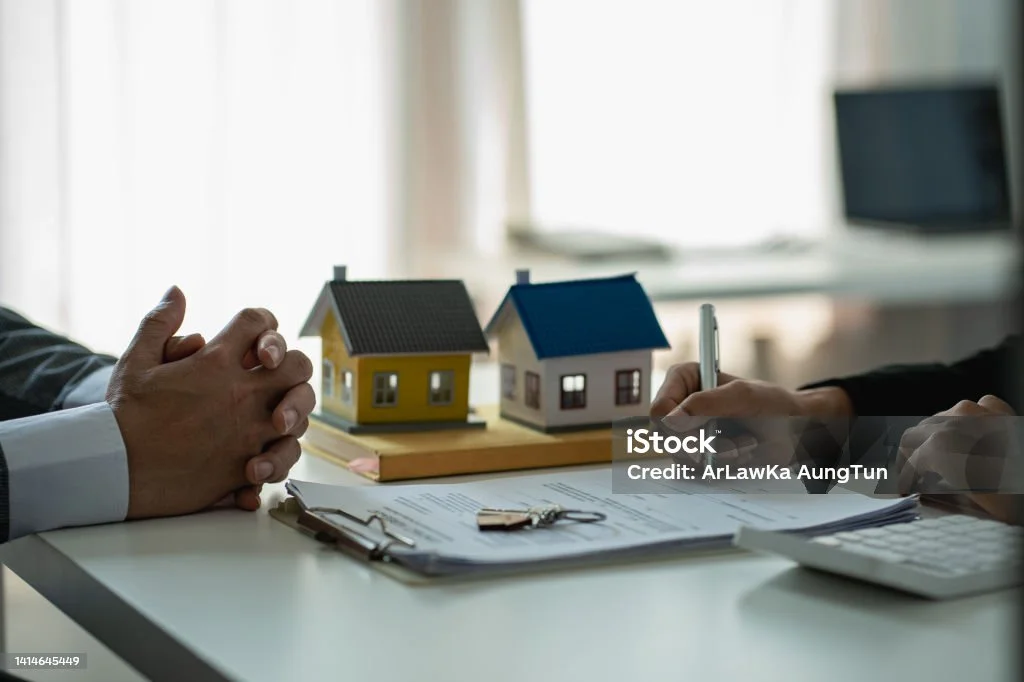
441,387
692,122
346,387
574,391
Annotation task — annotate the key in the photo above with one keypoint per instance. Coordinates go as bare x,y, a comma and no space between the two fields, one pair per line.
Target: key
503,519
543,515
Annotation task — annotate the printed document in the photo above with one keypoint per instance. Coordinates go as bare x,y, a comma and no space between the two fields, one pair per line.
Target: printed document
441,518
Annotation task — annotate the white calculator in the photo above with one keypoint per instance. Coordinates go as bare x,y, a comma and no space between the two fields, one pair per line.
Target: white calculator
940,558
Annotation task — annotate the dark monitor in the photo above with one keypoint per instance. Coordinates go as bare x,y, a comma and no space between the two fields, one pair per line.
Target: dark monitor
931,158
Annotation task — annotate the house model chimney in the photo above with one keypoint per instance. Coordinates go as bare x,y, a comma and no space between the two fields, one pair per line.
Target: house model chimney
339,273
522,276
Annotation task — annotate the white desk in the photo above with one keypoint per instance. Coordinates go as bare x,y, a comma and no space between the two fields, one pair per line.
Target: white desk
240,596
231,595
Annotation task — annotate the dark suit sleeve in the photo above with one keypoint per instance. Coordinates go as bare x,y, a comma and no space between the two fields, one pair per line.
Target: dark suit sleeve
925,389
38,369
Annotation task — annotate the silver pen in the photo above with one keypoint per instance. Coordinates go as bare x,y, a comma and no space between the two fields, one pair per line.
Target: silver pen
709,358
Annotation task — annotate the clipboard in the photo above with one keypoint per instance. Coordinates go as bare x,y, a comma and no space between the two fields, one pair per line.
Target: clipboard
354,521
355,545
333,537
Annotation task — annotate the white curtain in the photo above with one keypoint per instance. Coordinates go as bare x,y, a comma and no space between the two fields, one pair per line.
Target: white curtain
240,148
700,123
236,148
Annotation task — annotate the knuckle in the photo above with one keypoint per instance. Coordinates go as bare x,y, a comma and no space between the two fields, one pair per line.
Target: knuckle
217,354
910,436
965,406
741,388
685,368
251,317
308,394
284,453
936,442
271,319
661,406
302,403
303,365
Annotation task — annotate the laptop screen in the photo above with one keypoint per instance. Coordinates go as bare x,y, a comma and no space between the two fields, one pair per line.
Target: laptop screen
929,157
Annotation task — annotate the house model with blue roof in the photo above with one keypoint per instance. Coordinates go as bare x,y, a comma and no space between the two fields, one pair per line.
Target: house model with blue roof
575,355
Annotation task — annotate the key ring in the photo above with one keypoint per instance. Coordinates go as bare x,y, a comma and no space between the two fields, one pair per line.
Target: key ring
581,516
549,514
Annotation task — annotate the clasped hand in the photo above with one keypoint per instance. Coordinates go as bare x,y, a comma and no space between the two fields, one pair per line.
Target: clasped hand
205,421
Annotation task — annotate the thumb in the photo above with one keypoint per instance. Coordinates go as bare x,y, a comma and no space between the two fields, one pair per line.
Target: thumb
157,327
990,402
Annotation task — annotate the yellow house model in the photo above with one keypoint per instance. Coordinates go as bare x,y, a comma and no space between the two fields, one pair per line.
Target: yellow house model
396,354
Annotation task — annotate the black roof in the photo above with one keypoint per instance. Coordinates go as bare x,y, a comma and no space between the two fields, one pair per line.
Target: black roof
407,317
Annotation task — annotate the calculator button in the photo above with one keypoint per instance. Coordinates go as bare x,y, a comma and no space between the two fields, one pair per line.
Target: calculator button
886,556
828,541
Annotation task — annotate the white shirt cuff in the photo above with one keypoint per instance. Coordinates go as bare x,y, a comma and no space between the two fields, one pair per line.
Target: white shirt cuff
65,468
92,389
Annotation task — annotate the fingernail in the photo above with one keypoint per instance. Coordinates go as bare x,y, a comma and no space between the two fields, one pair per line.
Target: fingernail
291,417
264,470
275,354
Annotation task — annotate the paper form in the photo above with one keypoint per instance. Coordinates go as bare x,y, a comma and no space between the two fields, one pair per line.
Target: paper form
441,518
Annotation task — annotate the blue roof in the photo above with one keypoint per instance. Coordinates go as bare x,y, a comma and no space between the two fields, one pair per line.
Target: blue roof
583,317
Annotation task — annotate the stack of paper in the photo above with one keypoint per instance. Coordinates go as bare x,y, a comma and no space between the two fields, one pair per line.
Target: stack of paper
441,518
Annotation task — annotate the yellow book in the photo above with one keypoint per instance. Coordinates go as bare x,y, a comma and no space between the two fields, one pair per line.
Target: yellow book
502,446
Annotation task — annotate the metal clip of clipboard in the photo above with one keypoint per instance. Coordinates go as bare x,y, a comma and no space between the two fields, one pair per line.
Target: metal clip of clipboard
363,542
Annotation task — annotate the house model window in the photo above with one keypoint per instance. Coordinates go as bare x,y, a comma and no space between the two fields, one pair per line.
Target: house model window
574,391
346,387
328,379
508,381
441,386
627,387
533,390
385,389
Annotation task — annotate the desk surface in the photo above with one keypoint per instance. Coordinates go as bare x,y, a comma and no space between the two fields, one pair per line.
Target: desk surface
232,595
242,596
